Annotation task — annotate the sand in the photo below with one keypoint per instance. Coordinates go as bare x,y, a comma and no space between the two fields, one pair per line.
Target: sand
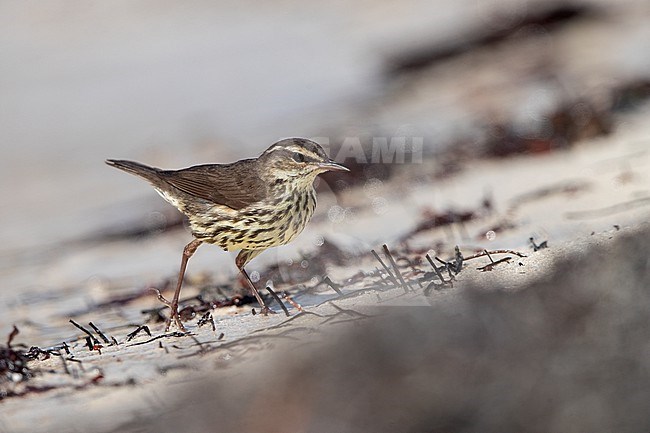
547,340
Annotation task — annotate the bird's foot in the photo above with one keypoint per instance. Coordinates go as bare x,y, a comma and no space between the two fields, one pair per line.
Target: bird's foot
173,312
175,318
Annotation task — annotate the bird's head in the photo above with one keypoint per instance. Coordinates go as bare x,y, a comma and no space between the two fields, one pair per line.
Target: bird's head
297,158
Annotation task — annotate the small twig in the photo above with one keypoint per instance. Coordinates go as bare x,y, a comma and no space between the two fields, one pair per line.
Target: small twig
278,300
207,318
293,303
405,286
132,335
458,265
432,285
435,268
87,332
390,274
12,335
540,246
171,334
485,252
99,332
35,351
447,266
489,256
334,286
491,266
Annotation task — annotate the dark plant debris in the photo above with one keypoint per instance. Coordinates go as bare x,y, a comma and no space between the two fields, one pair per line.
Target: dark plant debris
630,95
421,57
99,332
432,219
12,335
87,332
455,266
490,266
438,273
537,247
93,346
393,263
38,353
389,273
96,380
569,123
174,334
334,286
207,318
564,188
210,297
139,329
13,363
289,299
277,299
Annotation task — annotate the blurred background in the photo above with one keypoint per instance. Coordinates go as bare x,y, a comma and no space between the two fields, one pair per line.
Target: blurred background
174,83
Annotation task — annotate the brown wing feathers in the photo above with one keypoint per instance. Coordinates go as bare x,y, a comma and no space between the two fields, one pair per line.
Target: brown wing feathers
234,185
230,185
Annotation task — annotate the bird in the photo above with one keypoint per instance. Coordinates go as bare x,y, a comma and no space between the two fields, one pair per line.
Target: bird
248,206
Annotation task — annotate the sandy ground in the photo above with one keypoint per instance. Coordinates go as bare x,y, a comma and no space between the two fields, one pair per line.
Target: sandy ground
488,351
139,377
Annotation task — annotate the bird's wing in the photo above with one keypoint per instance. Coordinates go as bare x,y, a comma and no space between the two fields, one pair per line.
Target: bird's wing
235,185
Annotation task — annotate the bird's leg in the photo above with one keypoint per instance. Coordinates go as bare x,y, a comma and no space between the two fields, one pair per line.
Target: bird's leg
188,251
265,308
244,257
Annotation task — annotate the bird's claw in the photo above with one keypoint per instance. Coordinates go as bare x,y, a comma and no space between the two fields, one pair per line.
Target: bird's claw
173,313
174,317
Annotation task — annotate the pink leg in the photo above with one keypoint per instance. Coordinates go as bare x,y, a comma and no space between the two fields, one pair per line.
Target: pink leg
188,251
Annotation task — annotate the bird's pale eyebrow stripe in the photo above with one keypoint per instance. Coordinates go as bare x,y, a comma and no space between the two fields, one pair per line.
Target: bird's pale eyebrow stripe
276,148
297,149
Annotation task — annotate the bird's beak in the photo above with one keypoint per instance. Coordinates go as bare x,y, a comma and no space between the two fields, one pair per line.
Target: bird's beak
332,166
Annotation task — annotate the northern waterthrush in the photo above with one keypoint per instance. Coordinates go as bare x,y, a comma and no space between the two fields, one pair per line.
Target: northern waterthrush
248,205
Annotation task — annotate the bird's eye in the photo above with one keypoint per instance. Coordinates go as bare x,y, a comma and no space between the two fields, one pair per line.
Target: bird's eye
298,157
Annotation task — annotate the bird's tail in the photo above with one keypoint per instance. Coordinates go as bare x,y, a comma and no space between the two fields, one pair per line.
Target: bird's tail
141,170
